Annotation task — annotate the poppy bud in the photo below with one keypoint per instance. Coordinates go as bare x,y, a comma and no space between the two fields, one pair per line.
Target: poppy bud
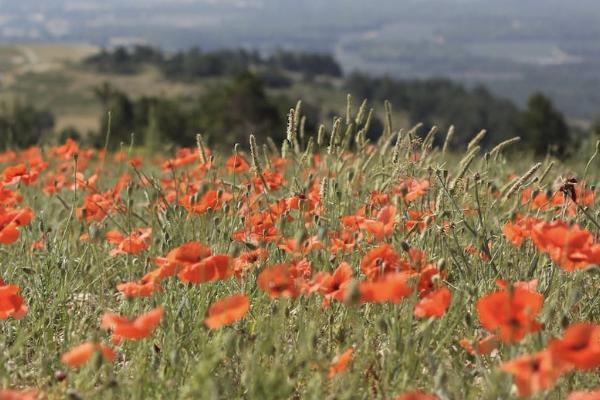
60,375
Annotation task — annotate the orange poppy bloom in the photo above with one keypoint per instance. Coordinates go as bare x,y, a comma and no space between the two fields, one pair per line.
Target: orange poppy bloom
516,232
566,246
134,244
411,189
247,260
579,346
334,286
178,258
585,395
144,288
528,285
380,261
277,281
340,363
390,289
237,164
383,226
227,311
139,328
533,373
81,354
210,200
512,313
10,220
19,173
11,304
9,394
209,269
433,304
484,346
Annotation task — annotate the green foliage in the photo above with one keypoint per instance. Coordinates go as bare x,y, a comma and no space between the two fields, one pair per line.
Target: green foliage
124,61
229,113
194,64
544,128
442,102
23,125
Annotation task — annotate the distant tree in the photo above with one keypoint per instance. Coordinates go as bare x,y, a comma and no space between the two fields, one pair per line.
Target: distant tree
23,125
310,64
543,127
121,121
595,129
230,112
443,103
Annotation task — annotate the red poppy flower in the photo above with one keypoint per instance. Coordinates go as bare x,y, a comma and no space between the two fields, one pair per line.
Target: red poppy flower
11,304
237,164
585,395
81,354
10,394
433,304
390,289
484,346
533,373
579,346
211,268
380,261
277,281
512,313
227,311
340,363
136,329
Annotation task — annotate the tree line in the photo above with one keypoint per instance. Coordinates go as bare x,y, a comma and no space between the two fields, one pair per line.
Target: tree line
228,110
195,64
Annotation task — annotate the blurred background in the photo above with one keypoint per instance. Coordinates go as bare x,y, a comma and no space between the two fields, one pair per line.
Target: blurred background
168,69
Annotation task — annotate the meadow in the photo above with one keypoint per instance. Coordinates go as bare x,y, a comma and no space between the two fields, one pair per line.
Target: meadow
328,267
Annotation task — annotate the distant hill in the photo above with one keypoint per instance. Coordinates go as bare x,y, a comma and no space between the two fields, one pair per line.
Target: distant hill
515,47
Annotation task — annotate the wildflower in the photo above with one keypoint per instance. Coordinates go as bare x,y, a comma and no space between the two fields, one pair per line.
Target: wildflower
143,288
383,226
10,221
237,164
380,261
227,311
81,354
433,304
340,363
334,286
579,346
277,281
585,395
533,373
11,304
10,394
136,329
484,346
135,243
392,288
212,268
567,246
512,313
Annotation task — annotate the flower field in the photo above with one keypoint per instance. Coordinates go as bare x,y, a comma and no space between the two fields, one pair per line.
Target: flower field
331,267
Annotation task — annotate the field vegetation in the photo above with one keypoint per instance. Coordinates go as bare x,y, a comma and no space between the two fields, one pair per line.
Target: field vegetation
326,263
